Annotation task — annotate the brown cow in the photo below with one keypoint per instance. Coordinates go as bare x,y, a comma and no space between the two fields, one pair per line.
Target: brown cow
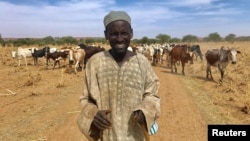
90,52
220,58
180,53
56,56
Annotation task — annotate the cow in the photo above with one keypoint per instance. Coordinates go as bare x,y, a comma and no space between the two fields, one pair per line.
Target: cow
77,56
180,53
141,49
13,54
133,48
52,49
220,58
89,52
167,49
197,51
151,51
156,56
83,46
162,53
39,53
56,56
22,52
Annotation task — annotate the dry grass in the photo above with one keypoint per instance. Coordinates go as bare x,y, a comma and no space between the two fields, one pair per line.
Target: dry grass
235,87
32,78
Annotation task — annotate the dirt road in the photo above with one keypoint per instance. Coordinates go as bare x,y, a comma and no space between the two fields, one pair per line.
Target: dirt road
44,111
180,120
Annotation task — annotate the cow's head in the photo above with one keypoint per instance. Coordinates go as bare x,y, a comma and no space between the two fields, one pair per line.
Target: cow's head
190,56
33,50
13,54
232,54
71,56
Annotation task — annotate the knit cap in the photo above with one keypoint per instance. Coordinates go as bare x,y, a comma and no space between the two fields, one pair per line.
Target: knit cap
115,16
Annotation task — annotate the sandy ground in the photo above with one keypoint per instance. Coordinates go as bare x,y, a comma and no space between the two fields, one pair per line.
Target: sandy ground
46,105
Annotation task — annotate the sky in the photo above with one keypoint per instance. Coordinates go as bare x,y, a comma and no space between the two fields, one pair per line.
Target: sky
84,18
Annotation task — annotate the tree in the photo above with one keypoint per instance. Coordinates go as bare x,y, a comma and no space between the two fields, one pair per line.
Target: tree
190,38
67,40
163,38
23,41
243,38
230,37
144,40
49,40
135,41
215,37
89,41
2,42
175,40
152,41
101,40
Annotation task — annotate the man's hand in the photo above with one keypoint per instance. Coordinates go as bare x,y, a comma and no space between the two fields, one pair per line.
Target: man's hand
139,117
101,120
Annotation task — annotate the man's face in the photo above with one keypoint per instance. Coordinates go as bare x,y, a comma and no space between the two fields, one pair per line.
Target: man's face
119,34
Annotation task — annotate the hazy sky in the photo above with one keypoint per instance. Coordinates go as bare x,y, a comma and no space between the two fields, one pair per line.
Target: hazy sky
84,18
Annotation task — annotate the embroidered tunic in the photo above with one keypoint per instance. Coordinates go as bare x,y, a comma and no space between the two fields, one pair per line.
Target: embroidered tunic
133,86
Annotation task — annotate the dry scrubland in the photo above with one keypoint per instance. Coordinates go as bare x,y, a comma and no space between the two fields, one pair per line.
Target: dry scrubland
46,106
232,97
235,88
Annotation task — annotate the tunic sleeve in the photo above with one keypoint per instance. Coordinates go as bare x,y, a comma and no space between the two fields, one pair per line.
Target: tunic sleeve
87,100
150,104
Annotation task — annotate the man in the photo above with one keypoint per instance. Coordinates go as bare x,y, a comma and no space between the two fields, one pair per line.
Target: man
120,101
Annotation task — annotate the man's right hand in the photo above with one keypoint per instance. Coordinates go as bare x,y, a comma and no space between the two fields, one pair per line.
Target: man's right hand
101,120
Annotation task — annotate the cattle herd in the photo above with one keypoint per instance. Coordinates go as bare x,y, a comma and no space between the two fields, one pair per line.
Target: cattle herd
76,56
183,53
173,54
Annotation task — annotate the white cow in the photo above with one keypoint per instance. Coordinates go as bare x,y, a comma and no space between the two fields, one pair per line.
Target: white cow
22,52
220,58
151,52
13,54
77,56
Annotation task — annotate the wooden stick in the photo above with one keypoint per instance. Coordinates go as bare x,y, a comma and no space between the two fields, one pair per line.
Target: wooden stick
74,112
13,93
6,94
144,128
